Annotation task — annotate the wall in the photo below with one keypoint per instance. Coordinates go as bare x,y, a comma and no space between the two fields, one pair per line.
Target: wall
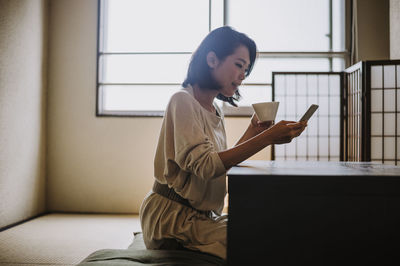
394,29
95,164
373,30
23,44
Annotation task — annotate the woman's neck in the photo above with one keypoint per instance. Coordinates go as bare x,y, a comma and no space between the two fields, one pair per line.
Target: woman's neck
205,97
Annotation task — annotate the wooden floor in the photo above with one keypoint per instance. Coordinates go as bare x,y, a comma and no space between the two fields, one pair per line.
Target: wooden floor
65,239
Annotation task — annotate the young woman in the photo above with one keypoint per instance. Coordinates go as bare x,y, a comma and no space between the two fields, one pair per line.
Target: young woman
184,207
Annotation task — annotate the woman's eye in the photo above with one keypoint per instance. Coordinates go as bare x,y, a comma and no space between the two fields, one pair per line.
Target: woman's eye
239,65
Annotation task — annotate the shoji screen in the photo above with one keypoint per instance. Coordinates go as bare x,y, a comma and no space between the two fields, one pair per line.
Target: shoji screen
355,122
383,79
372,119
322,139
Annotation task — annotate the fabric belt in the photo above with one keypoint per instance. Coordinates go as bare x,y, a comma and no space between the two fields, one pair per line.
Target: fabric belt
170,193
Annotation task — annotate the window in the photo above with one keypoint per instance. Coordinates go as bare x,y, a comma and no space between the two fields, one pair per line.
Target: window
145,46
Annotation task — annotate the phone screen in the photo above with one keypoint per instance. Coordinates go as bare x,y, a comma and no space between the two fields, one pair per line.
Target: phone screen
309,112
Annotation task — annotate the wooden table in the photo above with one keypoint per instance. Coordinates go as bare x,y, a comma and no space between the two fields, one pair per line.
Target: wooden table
313,213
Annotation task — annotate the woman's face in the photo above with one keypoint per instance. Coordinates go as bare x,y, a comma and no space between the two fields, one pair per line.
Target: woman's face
230,72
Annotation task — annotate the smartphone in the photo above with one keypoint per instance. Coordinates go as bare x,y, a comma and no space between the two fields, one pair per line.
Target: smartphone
309,112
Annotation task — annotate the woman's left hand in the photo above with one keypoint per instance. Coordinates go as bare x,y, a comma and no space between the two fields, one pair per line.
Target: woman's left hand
259,126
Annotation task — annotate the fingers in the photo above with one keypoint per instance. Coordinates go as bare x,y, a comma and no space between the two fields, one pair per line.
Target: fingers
297,126
285,131
294,124
285,122
254,120
297,131
265,123
254,117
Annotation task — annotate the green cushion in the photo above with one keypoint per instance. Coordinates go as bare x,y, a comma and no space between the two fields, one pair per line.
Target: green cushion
137,254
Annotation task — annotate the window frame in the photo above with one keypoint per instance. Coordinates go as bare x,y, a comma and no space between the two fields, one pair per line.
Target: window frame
229,111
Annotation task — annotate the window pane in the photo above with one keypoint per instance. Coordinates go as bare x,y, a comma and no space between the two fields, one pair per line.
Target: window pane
131,98
338,64
176,28
253,94
155,25
142,68
263,68
285,25
338,26
217,11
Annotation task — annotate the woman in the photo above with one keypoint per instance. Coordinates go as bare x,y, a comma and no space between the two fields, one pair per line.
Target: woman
184,208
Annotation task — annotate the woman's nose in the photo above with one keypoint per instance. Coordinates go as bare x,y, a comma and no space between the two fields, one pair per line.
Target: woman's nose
242,75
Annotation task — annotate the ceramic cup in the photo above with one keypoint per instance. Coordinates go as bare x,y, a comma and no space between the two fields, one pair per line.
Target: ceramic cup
266,111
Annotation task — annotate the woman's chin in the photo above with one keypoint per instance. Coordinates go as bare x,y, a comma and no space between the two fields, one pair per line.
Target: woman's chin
229,93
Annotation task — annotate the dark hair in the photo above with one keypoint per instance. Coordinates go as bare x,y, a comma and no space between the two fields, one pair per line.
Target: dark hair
223,42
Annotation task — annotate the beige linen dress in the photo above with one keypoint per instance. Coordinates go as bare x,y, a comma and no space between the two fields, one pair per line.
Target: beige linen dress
187,160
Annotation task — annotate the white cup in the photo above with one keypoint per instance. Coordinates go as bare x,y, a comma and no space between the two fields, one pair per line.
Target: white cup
266,111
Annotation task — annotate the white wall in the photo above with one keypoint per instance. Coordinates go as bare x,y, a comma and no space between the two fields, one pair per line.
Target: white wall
23,44
95,164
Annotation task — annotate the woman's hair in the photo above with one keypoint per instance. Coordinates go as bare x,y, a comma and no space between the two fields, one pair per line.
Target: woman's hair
223,42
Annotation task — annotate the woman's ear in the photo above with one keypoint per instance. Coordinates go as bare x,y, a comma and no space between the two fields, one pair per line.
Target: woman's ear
212,59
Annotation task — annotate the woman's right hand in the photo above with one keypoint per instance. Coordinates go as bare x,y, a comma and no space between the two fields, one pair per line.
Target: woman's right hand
285,131
282,132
